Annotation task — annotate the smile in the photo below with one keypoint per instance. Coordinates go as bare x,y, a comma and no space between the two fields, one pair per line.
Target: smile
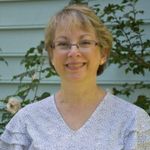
75,66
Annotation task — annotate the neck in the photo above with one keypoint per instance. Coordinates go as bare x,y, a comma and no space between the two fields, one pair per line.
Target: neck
77,93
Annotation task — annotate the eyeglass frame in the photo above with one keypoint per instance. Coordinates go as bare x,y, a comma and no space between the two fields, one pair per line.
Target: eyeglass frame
75,44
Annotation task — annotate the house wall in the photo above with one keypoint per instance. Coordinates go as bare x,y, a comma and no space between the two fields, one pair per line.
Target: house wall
22,24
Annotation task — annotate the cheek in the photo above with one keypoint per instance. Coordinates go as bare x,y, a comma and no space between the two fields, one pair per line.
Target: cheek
97,57
100,56
54,58
58,59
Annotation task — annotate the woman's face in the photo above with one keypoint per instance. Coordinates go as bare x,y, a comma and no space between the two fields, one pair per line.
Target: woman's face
76,63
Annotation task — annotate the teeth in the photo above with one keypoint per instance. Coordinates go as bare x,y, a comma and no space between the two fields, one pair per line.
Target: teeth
75,66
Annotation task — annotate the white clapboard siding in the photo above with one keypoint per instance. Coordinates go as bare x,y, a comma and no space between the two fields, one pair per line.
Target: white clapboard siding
22,24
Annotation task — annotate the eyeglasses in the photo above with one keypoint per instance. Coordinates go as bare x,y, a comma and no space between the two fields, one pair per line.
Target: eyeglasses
66,45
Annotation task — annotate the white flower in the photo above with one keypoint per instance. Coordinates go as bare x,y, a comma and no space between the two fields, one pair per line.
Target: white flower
13,105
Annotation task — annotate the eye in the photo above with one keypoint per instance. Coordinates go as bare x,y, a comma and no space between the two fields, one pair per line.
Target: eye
85,43
62,43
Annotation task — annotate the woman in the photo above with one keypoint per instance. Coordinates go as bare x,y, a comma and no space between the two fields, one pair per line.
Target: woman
81,115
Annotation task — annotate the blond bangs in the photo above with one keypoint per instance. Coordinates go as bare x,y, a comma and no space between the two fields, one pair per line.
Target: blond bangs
72,19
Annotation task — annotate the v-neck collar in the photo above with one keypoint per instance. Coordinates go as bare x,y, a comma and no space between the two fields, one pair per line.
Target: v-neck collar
63,125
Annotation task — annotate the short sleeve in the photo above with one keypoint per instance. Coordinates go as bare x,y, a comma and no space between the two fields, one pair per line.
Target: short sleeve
138,135
15,135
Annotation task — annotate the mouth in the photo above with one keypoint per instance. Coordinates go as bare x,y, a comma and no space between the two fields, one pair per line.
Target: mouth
75,66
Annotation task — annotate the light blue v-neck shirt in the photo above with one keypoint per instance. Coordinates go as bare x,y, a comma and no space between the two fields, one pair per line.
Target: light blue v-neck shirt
114,125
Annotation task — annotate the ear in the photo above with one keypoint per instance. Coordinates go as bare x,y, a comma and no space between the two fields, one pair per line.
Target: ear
52,62
103,60
103,57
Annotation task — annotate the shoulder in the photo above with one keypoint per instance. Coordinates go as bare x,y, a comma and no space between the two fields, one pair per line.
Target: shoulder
29,115
130,115
33,111
36,107
39,104
122,106
126,113
134,122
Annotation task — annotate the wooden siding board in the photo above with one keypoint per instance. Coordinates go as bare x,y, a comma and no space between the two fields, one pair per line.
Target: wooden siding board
22,24
20,40
29,12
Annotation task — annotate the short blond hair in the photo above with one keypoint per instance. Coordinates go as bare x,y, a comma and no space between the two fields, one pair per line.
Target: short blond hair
84,17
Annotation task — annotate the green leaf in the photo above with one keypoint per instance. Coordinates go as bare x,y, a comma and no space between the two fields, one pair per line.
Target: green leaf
44,95
143,102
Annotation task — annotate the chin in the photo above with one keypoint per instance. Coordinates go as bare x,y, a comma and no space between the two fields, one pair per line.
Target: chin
75,77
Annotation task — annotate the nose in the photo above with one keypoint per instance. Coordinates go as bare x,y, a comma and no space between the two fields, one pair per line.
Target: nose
74,51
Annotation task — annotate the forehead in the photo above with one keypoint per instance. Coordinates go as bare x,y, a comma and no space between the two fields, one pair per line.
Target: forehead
74,32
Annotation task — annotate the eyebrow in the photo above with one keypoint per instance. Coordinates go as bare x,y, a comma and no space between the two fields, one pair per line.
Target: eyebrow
61,37
82,36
